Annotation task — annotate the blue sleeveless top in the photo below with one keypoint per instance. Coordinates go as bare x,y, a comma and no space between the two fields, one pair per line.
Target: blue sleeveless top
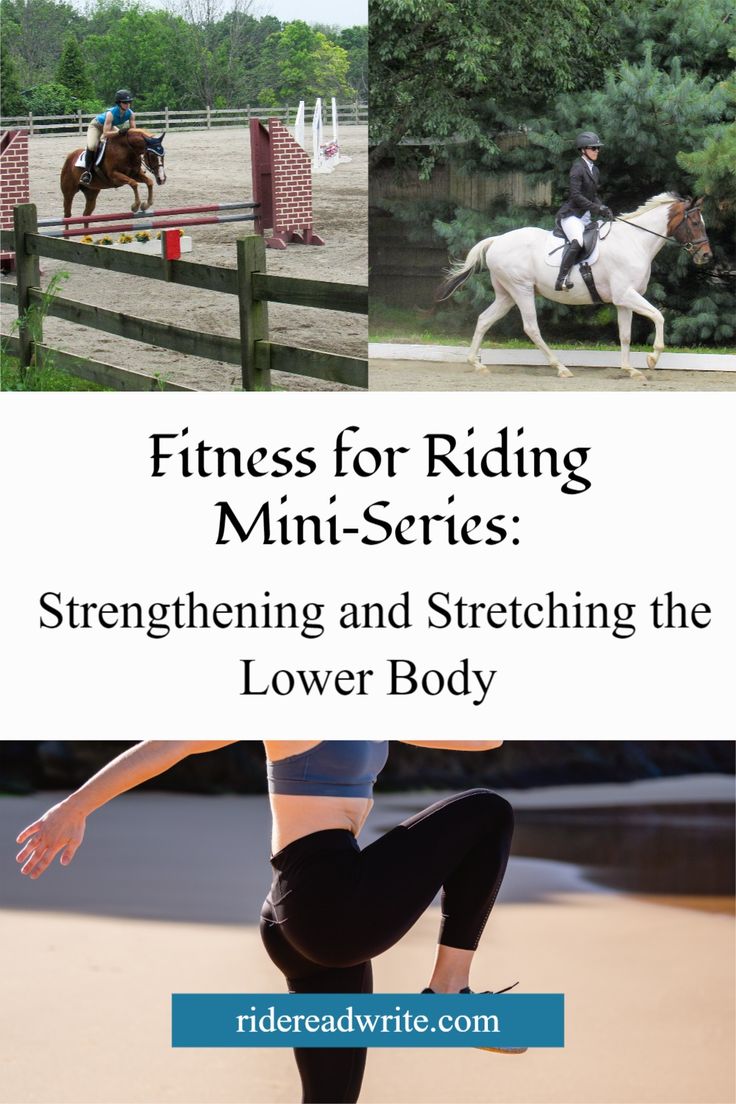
334,768
118,116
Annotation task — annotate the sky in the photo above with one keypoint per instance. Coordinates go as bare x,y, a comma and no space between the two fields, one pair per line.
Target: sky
340,13
336,13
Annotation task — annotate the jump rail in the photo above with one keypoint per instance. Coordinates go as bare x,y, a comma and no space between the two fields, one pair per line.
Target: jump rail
145,224
164,212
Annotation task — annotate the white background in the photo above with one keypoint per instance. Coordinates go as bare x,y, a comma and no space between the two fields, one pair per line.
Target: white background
83,516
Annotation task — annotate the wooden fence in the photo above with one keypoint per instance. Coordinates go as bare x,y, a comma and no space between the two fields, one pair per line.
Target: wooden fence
256,355
204,118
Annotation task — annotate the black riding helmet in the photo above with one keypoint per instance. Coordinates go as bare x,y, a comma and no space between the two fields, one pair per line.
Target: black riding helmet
587,139
123,95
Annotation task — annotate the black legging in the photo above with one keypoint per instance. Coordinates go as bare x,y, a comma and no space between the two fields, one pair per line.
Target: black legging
333,907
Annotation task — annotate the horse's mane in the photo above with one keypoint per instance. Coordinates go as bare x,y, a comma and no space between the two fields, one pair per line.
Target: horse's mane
134,132
650,204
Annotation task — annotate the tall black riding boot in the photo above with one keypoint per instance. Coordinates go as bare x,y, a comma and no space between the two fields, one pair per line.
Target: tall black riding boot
89,164
573,250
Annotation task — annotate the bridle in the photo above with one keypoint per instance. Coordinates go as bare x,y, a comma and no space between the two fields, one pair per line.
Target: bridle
691,247
149,152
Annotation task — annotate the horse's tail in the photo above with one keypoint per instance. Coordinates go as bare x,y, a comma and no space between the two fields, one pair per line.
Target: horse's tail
459,272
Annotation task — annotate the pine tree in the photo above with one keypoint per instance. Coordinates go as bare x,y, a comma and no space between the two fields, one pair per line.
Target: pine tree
71,71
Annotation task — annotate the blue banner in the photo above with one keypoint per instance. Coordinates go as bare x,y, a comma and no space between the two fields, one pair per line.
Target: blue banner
367,1020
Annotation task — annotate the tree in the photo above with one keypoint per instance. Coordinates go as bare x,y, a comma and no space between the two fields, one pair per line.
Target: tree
37,28
441,71
52,99
713,166
354,40
72,69
151,53
11,100
697,35
299,63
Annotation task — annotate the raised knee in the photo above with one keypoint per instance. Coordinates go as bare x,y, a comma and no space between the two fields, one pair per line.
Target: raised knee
495,806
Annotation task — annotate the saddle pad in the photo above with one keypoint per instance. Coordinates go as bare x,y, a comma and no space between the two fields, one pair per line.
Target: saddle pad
555,247
80,162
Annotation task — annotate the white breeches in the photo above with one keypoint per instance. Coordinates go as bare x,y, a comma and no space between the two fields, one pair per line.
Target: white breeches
574,226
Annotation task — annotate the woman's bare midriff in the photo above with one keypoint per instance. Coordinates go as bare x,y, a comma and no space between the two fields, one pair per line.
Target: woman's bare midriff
297,816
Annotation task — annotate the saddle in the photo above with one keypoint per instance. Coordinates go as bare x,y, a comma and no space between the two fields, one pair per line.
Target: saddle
590,239
588,257
80,163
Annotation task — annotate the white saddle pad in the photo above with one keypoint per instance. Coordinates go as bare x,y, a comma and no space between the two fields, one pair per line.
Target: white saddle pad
80,162
555,247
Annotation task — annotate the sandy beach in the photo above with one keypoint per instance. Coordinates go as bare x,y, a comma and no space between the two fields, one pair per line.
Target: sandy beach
164,896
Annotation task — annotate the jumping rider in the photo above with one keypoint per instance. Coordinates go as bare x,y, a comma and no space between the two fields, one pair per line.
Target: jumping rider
582,205
117,118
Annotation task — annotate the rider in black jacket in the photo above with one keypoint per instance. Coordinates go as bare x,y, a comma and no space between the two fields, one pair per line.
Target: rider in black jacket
582,204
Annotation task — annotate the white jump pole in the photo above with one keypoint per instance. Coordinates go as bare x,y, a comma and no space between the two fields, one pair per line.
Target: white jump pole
340,158
299,125
319,164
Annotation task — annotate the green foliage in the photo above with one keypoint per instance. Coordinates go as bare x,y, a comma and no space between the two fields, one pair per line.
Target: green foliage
71,72
697,35
35,30
442,71
11,100
52,99
354,40
45,379
302,64
713,166
187,55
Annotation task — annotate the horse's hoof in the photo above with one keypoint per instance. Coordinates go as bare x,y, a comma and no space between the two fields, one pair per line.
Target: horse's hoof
652,359
563,372
135,207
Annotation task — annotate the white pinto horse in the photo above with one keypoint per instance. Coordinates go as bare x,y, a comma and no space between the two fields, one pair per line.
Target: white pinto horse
519,270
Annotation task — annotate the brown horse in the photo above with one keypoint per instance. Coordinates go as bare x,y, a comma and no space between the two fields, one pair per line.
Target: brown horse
122,163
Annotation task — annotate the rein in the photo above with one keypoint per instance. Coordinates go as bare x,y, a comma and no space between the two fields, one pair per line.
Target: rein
689,247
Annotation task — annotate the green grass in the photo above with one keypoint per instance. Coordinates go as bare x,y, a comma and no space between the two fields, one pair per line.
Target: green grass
392,324
47,379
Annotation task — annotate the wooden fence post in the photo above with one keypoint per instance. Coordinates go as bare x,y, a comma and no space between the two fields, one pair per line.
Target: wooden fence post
255,374
28,275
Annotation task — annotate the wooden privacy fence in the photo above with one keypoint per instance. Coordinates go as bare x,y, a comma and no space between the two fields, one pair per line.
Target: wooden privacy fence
256,355
205,118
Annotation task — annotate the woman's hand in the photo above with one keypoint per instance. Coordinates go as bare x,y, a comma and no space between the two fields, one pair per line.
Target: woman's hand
59,829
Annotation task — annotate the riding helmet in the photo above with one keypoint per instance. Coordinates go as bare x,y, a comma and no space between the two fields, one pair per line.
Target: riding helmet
123,94
587,138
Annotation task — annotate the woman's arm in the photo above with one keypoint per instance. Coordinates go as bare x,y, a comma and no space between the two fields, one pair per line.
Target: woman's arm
108,127
455,745
62,827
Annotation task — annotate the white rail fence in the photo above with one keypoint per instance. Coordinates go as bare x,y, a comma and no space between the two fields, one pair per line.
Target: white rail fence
206,118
